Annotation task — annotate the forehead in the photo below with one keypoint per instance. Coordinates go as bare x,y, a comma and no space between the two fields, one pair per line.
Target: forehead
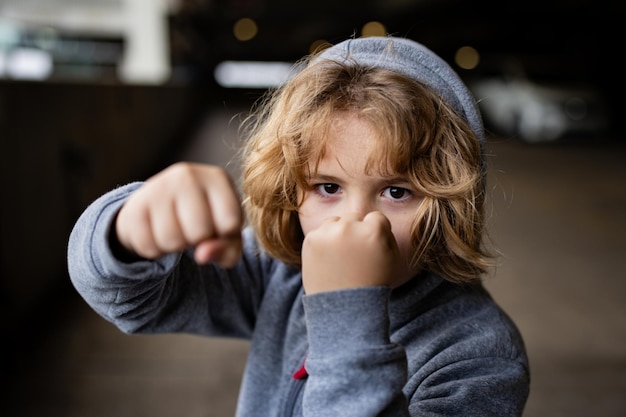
351,132
353,146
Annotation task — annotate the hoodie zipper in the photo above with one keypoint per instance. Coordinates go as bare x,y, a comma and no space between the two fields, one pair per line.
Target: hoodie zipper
297,384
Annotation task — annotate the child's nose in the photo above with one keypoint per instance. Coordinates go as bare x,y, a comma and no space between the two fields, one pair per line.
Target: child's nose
361,206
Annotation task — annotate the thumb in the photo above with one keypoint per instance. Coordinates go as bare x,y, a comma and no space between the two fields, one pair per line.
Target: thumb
224,251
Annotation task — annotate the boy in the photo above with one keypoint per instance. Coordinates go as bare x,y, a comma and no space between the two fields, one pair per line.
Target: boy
357,276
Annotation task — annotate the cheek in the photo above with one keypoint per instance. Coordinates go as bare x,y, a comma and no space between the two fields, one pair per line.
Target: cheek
310,216
401,230
403,236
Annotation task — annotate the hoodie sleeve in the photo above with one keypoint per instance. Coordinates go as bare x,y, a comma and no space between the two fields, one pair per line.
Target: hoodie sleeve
354,369
171,294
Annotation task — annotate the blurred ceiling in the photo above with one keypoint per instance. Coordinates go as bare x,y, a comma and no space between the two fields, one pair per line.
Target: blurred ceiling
557,42
569,40
541,32
578,30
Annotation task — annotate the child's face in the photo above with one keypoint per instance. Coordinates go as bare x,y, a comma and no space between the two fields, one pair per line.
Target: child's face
340,185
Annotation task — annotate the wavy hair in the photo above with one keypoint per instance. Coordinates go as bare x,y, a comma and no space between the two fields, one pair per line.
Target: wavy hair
419,136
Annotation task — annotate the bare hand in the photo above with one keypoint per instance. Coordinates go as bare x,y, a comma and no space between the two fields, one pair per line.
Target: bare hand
185,205
349,252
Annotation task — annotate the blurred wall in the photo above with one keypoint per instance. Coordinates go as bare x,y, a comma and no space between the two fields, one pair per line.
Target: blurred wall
64,144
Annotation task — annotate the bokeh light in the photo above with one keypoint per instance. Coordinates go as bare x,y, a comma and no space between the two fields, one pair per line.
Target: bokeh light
373,28
318,46
245,29
467,57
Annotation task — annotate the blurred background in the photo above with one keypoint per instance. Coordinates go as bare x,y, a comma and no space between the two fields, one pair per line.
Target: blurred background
97,93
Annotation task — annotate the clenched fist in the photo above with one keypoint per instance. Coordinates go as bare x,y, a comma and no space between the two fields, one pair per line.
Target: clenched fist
349,252
185,205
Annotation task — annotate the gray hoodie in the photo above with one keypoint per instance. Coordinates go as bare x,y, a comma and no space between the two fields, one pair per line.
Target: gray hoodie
427,348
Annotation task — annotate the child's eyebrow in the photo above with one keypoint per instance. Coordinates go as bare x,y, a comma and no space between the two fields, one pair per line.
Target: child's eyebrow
395,178
322,178
384,179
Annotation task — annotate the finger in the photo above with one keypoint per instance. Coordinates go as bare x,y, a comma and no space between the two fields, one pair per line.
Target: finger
194,217
165,227
134,231
225,251
225,206
377,218
383,227
331,219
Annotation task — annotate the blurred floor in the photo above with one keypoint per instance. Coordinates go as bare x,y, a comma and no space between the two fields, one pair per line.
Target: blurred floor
557,214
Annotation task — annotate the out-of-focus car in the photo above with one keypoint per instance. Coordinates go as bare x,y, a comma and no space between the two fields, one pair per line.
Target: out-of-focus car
519,107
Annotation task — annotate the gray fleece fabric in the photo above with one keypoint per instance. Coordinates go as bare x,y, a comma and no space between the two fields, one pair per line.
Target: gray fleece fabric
427,348
416,61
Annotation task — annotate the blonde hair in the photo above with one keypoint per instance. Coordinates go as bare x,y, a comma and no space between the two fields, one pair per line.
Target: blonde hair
419,136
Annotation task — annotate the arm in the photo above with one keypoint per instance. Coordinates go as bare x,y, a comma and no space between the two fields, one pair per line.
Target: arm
454,370
168,293
490,386
348,268
354,369
458,364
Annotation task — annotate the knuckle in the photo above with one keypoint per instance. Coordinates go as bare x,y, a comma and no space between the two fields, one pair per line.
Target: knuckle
169,242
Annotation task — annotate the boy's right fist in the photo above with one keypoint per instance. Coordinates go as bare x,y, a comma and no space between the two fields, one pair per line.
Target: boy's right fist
185,205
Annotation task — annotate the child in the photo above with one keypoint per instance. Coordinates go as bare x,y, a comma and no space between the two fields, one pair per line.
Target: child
357,275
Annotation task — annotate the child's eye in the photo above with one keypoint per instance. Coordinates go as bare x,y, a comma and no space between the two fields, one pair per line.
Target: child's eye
397,193
327,188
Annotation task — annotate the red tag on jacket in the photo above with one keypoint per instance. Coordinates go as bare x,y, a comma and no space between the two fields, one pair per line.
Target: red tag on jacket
301,373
